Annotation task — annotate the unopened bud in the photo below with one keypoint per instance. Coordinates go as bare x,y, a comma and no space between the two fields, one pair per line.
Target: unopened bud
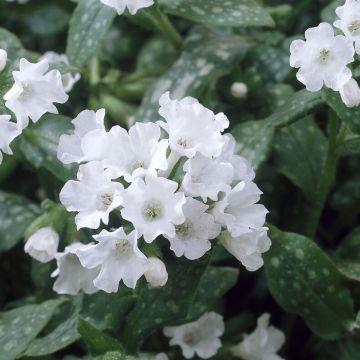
350,93
157,275
3,59
239,90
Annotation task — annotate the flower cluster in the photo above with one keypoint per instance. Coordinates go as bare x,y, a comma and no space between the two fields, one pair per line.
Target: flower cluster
33,94
132,5
178,178
323,57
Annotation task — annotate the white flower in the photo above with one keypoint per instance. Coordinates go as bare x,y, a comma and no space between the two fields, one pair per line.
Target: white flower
70,147
192,128
349,21
239,90
157,275
238,211
192,237
19,1
72,276
242,168
94,196
350,93
34,92
248,247
3,59
200,337
132,5
153,206
129,154
207,177
262,344
119,258
8,132
161,356
322,58
68,79
43,244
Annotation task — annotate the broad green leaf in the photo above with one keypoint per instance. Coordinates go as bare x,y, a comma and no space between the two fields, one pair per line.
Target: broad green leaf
105,311
299,153
115,355
255,137
16,214
350,146
304,281
349,248
233,13
254,141
206,56
96,341
350,116
19,326
39,145
88,26
10,43
328,13
350,270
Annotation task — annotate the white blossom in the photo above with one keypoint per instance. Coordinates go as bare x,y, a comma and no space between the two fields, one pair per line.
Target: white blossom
242,168
238,211
322,58
70,147
156,275
43,244
133,5
119,258
192,237
8,132
153,206
192,128
206,178
93,196
239,90
350,93
262,344
349,21
72,277
200,337
248,247
69,79
129,154
34,92
3,59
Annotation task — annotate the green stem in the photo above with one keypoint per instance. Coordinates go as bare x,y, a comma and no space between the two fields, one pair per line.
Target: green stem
162,22
326,181
94,71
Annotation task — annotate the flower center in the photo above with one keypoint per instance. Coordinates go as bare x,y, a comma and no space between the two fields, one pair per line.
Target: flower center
324,55
354,27
123,246
106,199
189,339
27,91
182,142
152,210
137,165
183,230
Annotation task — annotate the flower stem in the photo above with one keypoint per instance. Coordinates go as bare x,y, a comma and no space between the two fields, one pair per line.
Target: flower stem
162,22
326,181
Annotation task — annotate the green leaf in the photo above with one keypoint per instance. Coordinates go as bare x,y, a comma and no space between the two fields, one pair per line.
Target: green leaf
350,116
304,281
349,248
10,43
96,341
19,326
350,146
89,23
115,355
39,145
254,141
206,56
350,270
16,214
299,154
234,13
328,13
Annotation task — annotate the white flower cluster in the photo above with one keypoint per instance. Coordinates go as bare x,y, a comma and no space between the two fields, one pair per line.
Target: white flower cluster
132,5
186,187
323,58
202,338
33,94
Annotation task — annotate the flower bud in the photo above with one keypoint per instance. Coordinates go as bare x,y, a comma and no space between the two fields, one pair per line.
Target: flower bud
43,245
350,93
3,59
239,90
157,275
